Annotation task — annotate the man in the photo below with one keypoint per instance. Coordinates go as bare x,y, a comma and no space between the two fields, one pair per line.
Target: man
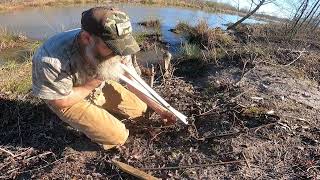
75,72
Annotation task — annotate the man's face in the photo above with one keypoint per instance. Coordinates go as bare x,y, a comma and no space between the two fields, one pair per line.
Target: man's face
97,51
105,62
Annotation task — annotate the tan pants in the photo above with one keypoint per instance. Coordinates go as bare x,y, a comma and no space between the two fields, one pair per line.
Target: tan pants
95,120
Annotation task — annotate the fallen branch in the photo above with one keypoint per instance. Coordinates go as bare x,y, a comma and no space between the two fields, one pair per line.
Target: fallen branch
266,125
194,166
8,152
292,51
133,171
246,160
300,54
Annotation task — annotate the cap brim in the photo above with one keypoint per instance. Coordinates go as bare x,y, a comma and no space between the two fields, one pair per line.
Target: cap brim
125,46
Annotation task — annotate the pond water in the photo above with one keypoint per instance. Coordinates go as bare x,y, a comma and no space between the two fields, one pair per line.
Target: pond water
41,23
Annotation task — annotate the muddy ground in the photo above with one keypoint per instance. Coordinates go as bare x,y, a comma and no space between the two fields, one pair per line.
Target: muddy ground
250,118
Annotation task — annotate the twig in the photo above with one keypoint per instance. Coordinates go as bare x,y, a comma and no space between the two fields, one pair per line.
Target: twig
244,68
209,112
193,166
24,152
152,76
156,135
225,134
8,152
298,118
266,125
197,133
300,54
312,167
39,155
243,74
152,127
245,158
132,171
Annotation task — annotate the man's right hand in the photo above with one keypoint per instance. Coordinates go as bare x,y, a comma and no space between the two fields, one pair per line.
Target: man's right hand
77,94
93,83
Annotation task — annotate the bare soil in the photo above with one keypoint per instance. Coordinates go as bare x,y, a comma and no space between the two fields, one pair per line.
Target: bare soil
258,118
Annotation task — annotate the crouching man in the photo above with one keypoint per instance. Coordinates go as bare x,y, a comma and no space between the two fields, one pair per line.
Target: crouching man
75,72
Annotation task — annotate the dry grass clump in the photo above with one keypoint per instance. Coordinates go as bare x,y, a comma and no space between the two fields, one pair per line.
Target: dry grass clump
151,23
181,27
203,35
204,43
8,40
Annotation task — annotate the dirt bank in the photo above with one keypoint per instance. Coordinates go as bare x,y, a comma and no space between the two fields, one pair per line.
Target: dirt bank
256,110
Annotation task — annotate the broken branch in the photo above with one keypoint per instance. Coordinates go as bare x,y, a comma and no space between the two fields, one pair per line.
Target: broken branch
8,152
133,171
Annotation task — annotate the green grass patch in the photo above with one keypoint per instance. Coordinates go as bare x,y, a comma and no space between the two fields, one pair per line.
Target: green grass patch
190,51
16,53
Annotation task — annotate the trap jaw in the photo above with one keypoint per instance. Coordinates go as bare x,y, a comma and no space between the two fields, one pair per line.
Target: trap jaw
144,88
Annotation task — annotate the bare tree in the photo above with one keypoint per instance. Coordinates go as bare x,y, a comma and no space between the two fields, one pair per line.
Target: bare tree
306,17
258,5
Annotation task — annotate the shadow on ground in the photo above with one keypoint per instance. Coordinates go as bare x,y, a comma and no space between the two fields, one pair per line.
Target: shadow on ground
35,136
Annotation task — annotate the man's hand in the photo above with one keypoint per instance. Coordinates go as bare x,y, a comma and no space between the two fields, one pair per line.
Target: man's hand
93,83
168,117
77,94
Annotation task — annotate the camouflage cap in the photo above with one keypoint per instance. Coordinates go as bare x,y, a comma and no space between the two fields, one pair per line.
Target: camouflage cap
113,27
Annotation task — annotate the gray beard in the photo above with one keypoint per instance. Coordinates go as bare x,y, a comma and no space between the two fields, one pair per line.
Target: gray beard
110,69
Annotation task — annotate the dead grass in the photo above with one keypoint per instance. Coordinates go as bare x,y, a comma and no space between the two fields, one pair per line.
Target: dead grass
278,46
204,43
8,40
207,37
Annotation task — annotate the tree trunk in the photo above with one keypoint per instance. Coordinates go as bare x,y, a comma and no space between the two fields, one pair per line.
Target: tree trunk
247,16
308,16
293,29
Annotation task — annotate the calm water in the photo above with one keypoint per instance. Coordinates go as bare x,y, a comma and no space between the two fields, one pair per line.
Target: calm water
41,23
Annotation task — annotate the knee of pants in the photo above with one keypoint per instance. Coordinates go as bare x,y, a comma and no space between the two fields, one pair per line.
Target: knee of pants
122,101
118,139
139,111
96,123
